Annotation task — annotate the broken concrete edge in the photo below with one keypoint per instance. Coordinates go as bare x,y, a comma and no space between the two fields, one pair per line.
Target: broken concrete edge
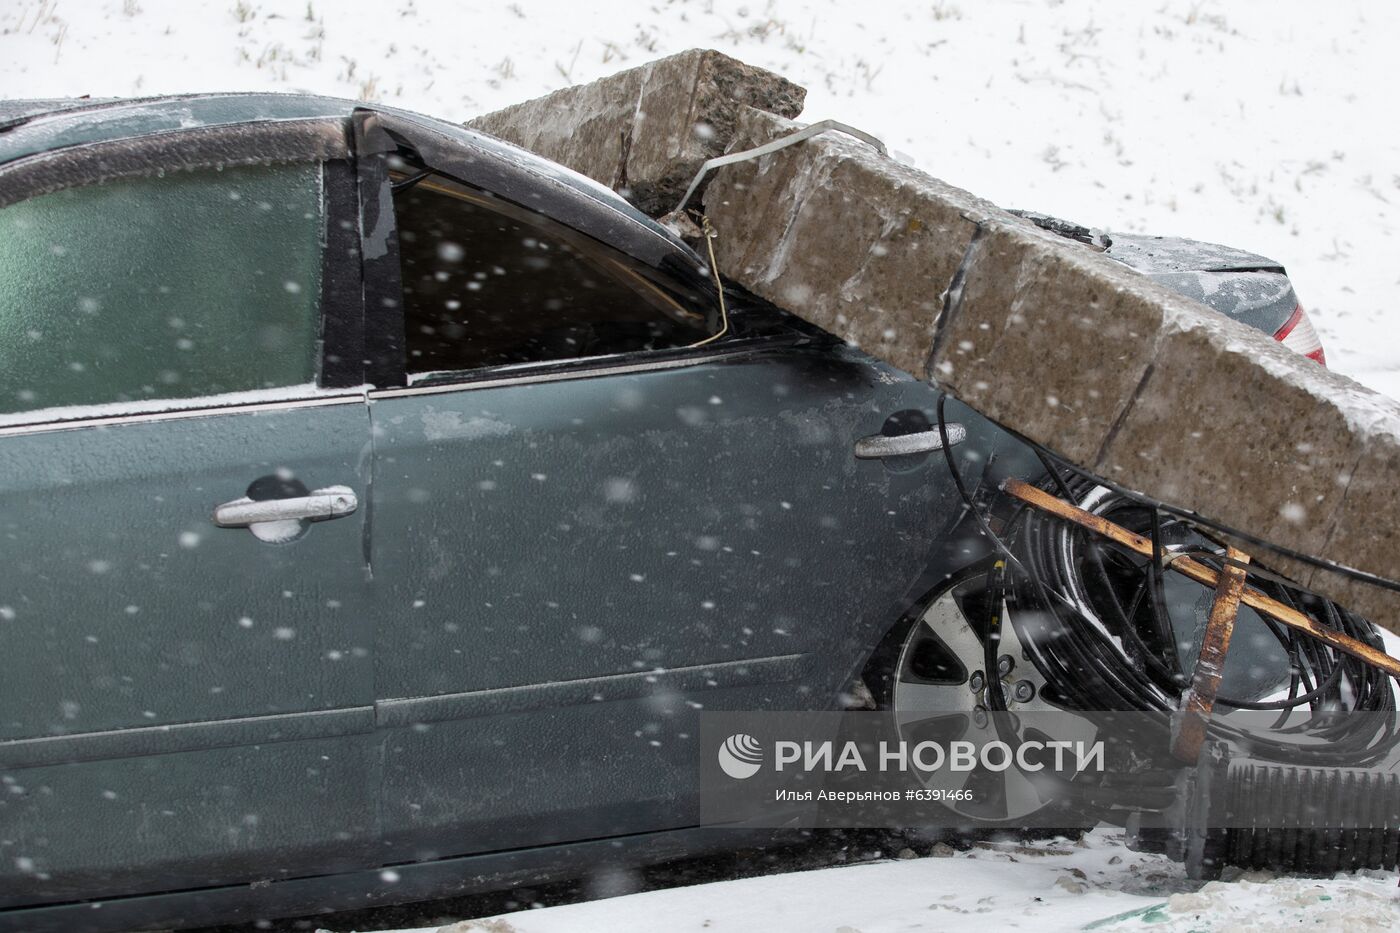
1148,388
646,131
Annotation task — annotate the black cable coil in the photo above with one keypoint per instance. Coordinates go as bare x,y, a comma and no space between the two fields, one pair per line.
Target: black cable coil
1094,619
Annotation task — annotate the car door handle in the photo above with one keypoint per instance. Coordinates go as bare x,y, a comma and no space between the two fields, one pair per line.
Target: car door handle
879,446
321,505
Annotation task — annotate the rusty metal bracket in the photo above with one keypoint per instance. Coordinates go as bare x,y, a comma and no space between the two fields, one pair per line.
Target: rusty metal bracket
1199,702
1203,574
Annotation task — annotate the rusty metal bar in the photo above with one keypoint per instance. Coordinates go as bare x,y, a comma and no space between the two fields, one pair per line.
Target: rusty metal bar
1199,703
1202,574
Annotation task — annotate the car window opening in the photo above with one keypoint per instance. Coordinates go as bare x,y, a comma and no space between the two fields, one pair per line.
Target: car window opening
488,283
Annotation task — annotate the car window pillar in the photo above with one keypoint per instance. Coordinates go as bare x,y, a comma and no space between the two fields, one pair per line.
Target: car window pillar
342,358
379,245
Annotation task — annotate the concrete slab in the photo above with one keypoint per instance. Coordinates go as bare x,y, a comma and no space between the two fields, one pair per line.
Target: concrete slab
1056,341
1043,334
644,132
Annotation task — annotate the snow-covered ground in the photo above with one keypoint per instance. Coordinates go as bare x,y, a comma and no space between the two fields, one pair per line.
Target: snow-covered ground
1061,886
1264,124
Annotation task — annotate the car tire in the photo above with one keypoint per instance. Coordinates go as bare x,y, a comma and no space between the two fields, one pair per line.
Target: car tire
929,661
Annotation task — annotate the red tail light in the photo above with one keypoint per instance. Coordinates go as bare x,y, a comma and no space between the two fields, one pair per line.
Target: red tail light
1298,333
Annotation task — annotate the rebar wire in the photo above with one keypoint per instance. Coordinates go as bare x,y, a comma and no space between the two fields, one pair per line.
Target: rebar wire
708,230
782,142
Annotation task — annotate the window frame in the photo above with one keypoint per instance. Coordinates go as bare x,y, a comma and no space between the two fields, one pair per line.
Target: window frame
339,367
378,136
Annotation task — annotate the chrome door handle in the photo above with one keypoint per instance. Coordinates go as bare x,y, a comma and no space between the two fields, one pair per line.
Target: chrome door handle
878,446
322,505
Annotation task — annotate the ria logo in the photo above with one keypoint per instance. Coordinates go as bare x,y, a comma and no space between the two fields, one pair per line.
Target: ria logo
741,756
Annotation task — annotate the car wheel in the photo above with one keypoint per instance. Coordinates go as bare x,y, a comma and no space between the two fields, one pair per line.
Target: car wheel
934,674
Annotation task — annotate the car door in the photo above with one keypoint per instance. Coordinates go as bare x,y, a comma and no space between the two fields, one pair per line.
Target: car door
186,697
593,519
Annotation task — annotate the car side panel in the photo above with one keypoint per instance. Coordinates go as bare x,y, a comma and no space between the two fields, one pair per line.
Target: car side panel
182,705
648,525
